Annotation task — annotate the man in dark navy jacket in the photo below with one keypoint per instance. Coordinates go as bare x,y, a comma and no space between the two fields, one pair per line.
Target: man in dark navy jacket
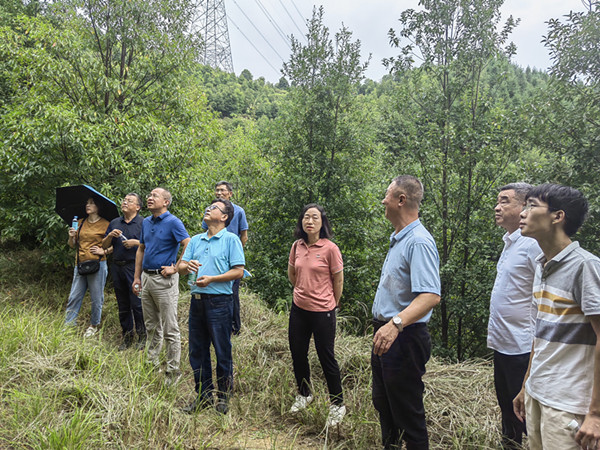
123,235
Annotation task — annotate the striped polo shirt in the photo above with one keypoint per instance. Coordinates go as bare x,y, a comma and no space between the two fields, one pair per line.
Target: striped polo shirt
566,290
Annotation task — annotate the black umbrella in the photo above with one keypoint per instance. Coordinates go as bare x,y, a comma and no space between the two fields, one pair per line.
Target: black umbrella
71,200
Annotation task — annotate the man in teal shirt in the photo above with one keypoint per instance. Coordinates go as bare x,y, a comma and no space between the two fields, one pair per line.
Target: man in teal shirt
216,259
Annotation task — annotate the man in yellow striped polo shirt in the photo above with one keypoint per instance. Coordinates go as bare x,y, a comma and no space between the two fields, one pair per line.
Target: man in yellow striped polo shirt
562,384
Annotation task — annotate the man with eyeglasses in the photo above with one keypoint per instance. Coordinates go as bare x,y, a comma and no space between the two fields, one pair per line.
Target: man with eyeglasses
561,392
512,316
239,227
123,235
157,280
213,259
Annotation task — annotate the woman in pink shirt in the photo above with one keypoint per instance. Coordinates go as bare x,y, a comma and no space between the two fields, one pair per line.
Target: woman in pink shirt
316,271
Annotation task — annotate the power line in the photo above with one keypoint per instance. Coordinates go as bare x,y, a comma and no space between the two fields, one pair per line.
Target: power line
279,30
257,50
256,28
299,13
291,18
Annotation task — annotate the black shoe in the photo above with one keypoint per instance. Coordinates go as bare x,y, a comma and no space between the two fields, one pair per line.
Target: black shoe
127,342
197,405
141,344
222,406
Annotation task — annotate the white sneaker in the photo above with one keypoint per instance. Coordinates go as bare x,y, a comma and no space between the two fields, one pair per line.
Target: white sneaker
300,403
91,331
336,414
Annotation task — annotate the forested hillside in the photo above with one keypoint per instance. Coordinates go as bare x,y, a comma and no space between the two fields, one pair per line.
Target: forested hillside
109,93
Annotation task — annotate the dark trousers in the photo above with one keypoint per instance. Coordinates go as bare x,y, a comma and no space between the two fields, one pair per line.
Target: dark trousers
237,321
130,305
509,371
321,325
398,388
210,323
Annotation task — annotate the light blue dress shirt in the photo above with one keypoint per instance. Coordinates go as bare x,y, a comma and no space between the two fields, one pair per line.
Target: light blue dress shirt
217,254
411,267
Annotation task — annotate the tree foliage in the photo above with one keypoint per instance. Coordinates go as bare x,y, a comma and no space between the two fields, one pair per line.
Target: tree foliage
100,98
565,117
321,147
459,142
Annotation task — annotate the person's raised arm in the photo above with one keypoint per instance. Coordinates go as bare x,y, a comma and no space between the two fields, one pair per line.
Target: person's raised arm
72,241
107,240
232,274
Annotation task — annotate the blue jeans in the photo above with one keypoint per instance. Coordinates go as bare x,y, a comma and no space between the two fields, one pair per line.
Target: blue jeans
95,283
210,323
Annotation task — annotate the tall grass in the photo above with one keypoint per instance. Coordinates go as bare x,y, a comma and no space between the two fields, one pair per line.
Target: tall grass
60,391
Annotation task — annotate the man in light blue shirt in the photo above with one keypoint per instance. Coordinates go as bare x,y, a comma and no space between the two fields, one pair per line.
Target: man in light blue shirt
216,259
408,290
239,227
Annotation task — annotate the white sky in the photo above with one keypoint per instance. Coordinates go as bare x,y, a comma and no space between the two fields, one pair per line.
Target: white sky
369,22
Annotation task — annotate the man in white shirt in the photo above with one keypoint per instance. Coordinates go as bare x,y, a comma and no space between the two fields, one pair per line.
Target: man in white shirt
512,315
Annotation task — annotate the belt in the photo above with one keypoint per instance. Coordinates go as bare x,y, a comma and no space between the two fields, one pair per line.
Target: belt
123,263
207,296
153,271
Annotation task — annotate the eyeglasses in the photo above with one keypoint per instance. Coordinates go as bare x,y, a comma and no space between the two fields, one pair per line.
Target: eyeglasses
214,206
530,207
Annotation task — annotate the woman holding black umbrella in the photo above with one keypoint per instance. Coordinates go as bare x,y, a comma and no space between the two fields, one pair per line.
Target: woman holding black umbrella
91,270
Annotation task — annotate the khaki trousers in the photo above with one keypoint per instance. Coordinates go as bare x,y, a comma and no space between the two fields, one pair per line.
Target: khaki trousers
159,304
547,427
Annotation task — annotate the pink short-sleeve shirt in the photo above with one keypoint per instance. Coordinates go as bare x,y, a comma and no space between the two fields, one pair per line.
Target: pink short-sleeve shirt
315,266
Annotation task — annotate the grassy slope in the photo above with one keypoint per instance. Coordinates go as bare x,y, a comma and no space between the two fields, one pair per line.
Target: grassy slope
60,391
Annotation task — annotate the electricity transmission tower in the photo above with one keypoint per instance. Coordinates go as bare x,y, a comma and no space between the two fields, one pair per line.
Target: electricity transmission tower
212,25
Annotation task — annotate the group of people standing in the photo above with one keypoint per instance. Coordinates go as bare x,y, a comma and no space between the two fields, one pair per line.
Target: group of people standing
545,321
544,309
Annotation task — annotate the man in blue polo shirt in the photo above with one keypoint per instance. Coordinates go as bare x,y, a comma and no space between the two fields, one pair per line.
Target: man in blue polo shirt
216,259
239,227
156,257
408,290
123,235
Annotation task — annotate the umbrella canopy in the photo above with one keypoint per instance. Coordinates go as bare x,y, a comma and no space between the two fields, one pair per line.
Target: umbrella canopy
71,200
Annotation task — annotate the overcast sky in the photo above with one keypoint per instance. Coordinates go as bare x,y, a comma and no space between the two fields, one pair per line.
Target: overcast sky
369,22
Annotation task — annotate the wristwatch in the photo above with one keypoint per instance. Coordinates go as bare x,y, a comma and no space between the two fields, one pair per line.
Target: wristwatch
397,320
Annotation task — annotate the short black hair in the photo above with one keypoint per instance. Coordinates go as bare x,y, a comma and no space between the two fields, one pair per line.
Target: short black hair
224,183
563,198
521,190
410,186
137,197
228,209
325,231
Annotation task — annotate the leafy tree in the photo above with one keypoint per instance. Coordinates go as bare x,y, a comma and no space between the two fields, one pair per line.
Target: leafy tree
322,150
566,117
100,98
449,131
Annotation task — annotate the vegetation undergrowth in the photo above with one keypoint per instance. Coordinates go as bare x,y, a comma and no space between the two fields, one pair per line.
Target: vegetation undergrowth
59,390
